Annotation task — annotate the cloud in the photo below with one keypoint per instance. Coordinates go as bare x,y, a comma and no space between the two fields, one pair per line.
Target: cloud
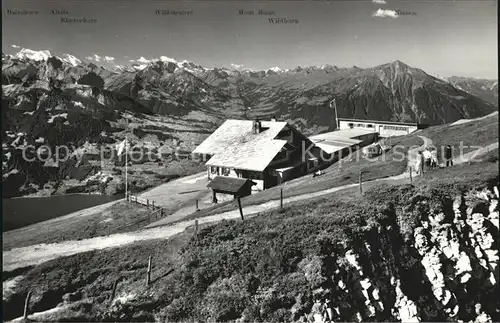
143,60
97,58
15,46
379,1
383,13
131,60
94,57
237,66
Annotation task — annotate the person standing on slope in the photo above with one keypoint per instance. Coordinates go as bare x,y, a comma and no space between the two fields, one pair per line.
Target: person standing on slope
427,157
448,155
419,165
434,158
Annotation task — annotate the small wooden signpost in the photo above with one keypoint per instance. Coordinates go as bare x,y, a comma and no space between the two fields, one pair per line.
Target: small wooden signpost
411,179
197,208
241,210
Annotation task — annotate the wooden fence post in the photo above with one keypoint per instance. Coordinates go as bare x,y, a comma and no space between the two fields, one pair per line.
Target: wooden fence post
241,210
148,275
26,305
147,203
195,227
161,213
360,181
281,198
153,204
113,292
197,206
411,179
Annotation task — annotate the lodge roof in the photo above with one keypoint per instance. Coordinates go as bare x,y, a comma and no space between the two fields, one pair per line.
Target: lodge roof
231,185
234,145
334,141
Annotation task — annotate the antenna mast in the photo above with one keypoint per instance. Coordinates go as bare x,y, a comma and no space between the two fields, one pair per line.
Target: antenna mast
336,117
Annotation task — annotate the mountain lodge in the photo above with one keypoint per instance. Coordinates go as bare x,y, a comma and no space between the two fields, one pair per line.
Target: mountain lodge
384,128
266,152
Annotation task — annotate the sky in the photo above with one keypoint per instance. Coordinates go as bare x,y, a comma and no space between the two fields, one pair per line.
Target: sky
443,38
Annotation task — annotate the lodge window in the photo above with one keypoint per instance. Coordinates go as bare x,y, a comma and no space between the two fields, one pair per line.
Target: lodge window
252,175
370,126
395,128
213,170
225,171
351,125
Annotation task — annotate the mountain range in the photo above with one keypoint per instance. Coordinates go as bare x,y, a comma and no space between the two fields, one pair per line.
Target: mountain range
482,88
61,99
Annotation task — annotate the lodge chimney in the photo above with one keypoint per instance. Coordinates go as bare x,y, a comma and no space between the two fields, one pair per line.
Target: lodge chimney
257,126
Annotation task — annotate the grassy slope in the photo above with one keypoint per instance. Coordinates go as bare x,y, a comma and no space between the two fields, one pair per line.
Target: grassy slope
472,134
129,218
475,133
255,267
118,218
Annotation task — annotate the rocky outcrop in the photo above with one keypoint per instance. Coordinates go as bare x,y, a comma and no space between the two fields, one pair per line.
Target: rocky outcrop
452,276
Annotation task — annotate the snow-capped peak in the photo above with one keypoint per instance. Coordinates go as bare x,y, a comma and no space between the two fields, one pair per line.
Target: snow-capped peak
124,68
275,69
26,53
139,67
70,59
167,59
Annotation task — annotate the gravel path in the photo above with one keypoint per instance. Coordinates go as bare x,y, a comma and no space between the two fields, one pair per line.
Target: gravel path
37,254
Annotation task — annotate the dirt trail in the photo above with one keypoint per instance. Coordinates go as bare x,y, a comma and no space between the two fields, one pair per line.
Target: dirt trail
462,121
36,254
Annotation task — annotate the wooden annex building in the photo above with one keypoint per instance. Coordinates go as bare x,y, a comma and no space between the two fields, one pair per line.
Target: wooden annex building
238,187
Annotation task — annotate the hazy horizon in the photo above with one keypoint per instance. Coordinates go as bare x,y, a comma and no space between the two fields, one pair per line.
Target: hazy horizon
444,38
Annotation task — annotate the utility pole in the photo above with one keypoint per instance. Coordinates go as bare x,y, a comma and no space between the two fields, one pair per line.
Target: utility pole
336,117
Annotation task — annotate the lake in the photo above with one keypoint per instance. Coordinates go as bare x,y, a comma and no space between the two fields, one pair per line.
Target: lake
22,211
